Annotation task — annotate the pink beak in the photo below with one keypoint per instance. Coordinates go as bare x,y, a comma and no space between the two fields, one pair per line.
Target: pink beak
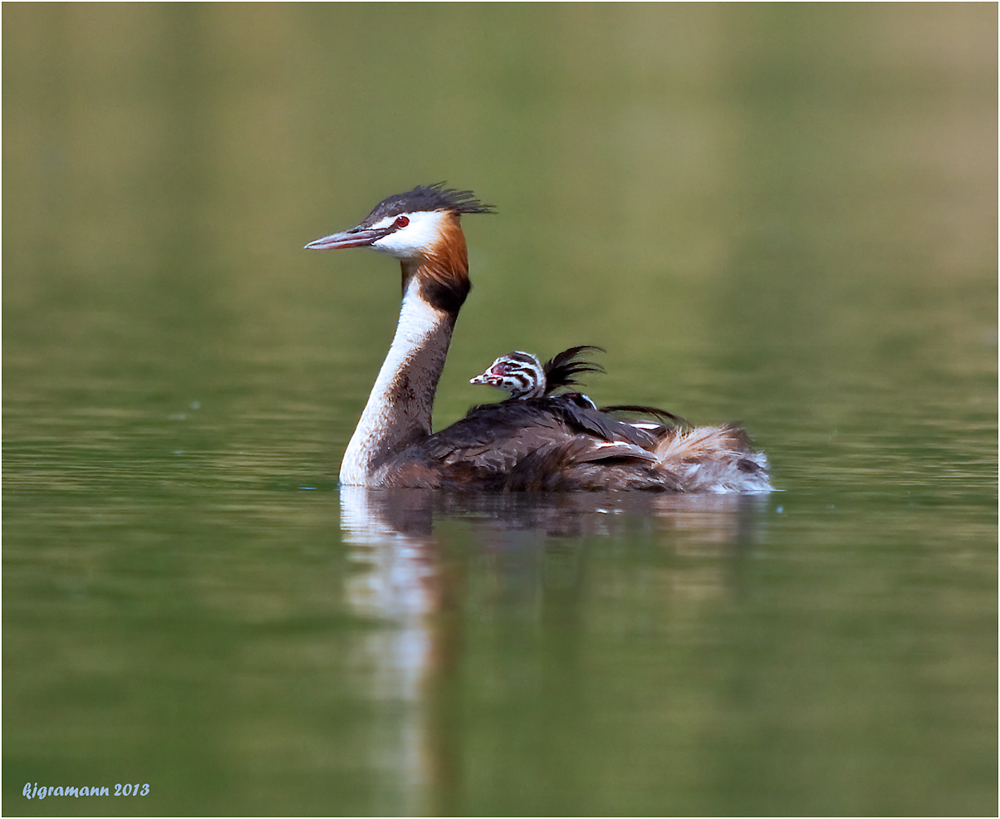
491,377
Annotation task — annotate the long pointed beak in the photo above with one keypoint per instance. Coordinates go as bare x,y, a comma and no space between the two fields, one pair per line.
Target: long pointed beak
355,237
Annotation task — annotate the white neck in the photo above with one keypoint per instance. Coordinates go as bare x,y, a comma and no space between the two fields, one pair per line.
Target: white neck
399,408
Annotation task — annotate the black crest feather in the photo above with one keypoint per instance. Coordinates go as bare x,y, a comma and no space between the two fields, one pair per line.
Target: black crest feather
428,198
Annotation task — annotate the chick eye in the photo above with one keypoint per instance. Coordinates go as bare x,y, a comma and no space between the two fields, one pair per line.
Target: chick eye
401,222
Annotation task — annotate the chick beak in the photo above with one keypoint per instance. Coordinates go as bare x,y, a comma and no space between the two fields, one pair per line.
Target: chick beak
493,376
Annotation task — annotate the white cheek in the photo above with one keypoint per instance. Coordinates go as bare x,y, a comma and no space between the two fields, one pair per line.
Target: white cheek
416,239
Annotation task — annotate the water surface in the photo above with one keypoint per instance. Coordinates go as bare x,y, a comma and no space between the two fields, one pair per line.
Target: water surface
781,215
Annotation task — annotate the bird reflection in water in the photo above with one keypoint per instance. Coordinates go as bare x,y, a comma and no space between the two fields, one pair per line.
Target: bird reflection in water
434,566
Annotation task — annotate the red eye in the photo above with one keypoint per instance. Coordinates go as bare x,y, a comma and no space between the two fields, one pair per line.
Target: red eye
401,222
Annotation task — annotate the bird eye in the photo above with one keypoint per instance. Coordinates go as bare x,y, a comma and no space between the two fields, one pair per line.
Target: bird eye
401,222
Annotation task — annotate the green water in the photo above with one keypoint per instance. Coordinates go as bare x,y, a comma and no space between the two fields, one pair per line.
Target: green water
783,215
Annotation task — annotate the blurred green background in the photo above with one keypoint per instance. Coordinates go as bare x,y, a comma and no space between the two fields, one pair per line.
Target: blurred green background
779,214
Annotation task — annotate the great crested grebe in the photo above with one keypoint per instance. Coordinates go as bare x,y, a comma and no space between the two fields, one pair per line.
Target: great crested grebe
525,377
532,445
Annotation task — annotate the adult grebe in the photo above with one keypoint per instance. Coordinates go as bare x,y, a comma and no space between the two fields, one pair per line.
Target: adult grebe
534,445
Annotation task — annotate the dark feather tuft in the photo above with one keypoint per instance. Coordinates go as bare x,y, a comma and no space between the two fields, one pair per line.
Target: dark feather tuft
428,198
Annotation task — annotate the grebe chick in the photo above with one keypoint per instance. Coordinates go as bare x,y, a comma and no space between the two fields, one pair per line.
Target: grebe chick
524,376
545,444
